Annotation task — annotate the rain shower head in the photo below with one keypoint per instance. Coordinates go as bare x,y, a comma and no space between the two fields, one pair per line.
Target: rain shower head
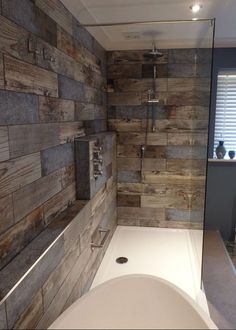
153,54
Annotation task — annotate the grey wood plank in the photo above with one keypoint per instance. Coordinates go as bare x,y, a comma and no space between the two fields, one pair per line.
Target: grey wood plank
3,317
55,110
71,89
2,83
18,108
27,15
35,194
57,157
26,139
17,173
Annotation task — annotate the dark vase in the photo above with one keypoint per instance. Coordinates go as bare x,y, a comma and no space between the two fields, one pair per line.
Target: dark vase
220,150
231,154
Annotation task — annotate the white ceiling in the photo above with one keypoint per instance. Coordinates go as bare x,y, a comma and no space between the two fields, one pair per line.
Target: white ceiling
184,35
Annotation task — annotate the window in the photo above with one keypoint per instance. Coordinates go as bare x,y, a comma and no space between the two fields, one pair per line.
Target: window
225,120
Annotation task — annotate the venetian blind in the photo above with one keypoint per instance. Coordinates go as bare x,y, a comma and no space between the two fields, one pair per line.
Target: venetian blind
225,120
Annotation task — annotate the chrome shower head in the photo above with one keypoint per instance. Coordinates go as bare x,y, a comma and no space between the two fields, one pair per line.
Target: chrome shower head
153,54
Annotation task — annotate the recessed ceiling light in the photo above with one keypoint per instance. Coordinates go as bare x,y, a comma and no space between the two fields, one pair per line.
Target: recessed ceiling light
195,8
194,19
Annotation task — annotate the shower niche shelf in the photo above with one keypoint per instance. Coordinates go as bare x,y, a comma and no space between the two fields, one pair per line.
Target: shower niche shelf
94,158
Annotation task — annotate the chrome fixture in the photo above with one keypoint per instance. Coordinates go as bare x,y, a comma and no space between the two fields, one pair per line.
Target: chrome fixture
101,231
97,162
153,54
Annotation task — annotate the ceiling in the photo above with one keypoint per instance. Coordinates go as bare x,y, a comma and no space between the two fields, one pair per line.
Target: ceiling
184,35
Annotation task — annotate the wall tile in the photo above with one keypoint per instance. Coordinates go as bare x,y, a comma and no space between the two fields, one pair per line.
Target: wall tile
2,83
4,144
55,110
71,89
35,194
57,157
6,211
18,108
129,176
31,18
24,77
17,173
26,139
82,35
124,71
3,317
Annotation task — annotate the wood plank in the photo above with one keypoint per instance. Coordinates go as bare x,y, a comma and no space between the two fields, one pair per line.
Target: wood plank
193,112
26,139
189,84
4,144
71,89
186,152
55,110
125,125
68,175
57,157
58,203
141,213
19,235
190,98
195,139
18,108
151,164
189,70
170,179
148,71
69,131
155,152
24,77
128,200
129,176
133,98
27,15
136,56
17,173
14,40
126,164
84,111
186,167
116,71
58,12
2,82
128,151
178,201
35,194
6,211
139,85
178,125
139,138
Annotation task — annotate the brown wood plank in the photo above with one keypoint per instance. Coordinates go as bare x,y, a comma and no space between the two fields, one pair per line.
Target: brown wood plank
2,82
195,139
35,194
6,213
125,98
4,144
189,84
141,213
55,110
139,85
19,172
14,40
193,112
125,125
128,200
126,164
128,151
69,131
24,77
186,167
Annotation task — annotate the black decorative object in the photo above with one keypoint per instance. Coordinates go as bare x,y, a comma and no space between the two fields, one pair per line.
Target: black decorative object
220,150
231,154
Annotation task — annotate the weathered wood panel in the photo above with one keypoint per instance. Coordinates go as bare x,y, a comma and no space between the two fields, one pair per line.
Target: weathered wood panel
24,77
54,206
137,56
189,84
6,211
186,166
128,200
140,85
2,82
57,11
35,194
141,213
27,15
57,157
125,98
19,172
189,70
3,317
125,125
188,112
18,108
18,236
124,71
26,139
55,110
152,164
194,139
71,89
69,131
14,40
68,175
4,144
126,164
129,176
128,151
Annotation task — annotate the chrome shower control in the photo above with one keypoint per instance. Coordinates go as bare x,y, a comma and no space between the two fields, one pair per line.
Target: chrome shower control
97,162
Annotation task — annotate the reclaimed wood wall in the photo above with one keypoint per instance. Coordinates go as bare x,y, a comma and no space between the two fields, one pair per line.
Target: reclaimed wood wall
167,187
52,90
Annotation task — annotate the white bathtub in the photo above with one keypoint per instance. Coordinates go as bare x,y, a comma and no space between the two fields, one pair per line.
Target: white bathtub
134,302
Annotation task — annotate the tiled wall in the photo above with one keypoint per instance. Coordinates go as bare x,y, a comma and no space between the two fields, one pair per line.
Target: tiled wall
166,189
52,89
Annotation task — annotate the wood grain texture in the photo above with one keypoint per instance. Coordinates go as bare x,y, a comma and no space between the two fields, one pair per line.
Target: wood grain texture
2,82
6,211
57,11
35,194
27,15
4,144
17,173
55,110
69,131
26,139
28,78
14,40
128,200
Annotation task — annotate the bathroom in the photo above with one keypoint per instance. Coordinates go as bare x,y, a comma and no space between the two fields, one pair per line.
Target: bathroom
105,167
